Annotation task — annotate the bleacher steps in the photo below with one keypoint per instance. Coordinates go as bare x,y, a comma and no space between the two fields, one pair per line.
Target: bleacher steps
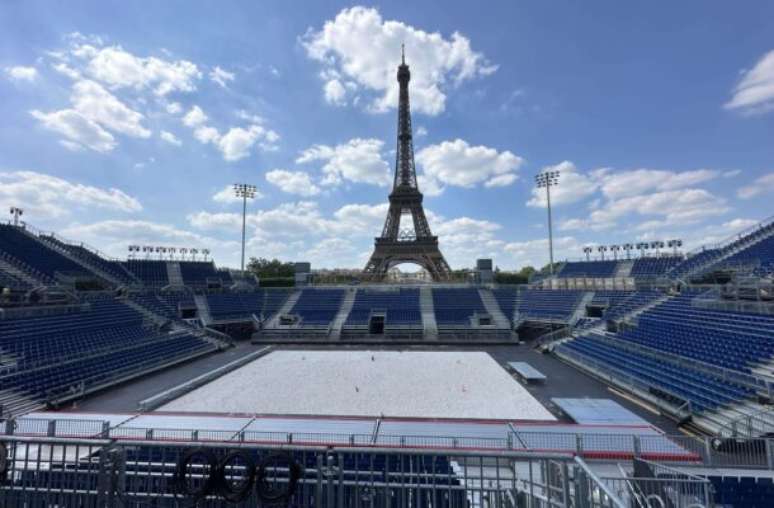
19,274
580,310
633,313
149,315
53,245
709,263
204,309
174,275
16,404
341,316
493,309
285,309
624,268
427,309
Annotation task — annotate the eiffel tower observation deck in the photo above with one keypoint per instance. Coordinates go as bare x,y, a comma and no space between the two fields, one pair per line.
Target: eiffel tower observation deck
412,242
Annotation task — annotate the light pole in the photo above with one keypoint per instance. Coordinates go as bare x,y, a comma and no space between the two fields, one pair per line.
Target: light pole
602,249
587,250
16,212
244,191
628,247
547,179
675,244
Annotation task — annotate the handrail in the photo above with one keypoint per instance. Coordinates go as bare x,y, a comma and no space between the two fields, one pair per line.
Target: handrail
733,237
614,499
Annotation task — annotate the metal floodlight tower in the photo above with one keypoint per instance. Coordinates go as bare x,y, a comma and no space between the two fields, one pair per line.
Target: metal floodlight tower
244,191
602,249
16,212
587,250
628,247
548,179
615,249
675,244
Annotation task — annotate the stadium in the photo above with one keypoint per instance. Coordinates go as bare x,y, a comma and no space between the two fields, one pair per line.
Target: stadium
640,379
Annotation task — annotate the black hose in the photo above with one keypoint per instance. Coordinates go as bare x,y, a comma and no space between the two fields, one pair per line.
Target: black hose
265,490
181,474
231,492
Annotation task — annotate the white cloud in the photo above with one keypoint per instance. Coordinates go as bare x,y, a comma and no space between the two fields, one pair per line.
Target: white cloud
206,134
755,91
293,182
676,207
221,76
21,73
170,138
174,108
97,104
361,48
95,111
118,68
459,164
47,197
79,130
66,70
638,181
421,132
237,142
535,252
573,186
227,195
358,160
195,117
335,92
762,185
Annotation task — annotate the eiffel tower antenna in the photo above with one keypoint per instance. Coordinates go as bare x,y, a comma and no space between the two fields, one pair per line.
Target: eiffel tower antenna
399,245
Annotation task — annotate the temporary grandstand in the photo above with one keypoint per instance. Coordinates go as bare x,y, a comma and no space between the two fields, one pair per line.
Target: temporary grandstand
187,377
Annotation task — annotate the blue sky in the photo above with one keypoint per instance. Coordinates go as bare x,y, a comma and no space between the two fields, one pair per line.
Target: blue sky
126,124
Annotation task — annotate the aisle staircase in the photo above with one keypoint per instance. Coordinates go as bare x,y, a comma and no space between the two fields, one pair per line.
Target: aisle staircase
285,309
580,310
174,275
341,316
203,309
493,309
427,309
624,268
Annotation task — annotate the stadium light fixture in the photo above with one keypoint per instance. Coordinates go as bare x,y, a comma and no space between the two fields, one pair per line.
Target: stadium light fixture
244,191
205,253
675,244
628,247
548,179
587,250
602,249
615,249
16,212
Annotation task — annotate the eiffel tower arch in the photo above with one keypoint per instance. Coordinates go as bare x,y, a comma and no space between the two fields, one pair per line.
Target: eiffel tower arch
415,244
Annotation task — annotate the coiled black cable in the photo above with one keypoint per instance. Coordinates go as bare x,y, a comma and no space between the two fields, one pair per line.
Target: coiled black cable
266,491
208,483
235,492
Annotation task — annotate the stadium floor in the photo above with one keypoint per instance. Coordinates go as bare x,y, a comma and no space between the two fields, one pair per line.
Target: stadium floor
563,380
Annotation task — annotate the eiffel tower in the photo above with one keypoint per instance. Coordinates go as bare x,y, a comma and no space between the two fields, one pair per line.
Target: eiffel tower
400,245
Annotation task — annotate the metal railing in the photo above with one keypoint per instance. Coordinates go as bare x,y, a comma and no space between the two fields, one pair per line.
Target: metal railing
590,445
99,473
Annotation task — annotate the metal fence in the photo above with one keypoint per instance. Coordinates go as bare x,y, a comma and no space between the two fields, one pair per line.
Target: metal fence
55,472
